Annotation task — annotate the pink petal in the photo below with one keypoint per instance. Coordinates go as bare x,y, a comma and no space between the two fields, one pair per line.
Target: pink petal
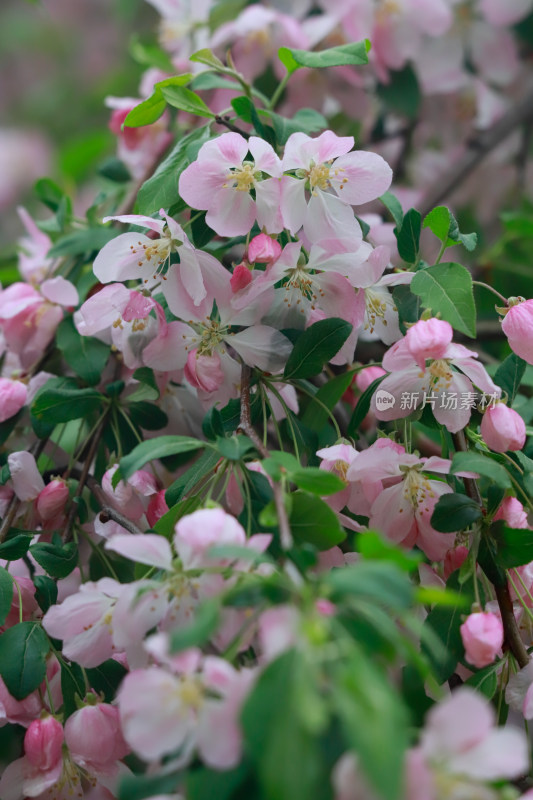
366,175
147,549
60,291
25,477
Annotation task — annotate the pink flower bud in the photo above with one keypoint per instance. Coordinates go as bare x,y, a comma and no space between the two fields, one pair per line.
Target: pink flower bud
13,396
156,507
94,736
51,500
428,338
43,743
241,278
512,511
263,249
454,559
204,372
502,428
482,636
518,327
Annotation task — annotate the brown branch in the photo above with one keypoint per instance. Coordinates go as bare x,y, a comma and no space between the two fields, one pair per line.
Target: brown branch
477,149
503,596
225,121
246,427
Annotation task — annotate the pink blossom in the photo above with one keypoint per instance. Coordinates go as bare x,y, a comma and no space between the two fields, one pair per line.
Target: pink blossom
518,327
460,740
454,559
502,428
13,396
197,532
25,477
51,500
220,181
203,371
428,339
18,712
512,511
138,256
325,167
157,507
482,635
263,249
437,379
94,736
43,742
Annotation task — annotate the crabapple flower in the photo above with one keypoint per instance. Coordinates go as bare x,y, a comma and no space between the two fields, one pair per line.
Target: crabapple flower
26,479
94,737
220,181
13,396
196,706
29,318
461,748
43,741
436,381
482,636
518,327
512,511
135,255
502,428
325,167
402,509
51,500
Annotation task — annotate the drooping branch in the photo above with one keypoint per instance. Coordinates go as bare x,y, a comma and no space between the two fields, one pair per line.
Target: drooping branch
478,148
246,427
503,596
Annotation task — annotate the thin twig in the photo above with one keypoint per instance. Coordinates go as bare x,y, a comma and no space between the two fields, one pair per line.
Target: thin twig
226,122
246,427
107,512
84,472
477,149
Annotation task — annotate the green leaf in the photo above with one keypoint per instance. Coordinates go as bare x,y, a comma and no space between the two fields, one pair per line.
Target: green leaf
447,289
315,415
316,346
317,481
106,678
16,546
56,561
149,389
147,112
161,190
6,594
391,202
401,94
23,651
84,354
278,735
186,100
72,687
515,545
380,582
443,224
306,120
147,415
186,482
363,406
375,722
114,170
455,512
61,400
312,520
49,193
206,783
509,375
82,242
234,448
45,592
485,681
158,447
371,545
138,787
408,236
444,621
199,631
484,465
206,56
355,53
